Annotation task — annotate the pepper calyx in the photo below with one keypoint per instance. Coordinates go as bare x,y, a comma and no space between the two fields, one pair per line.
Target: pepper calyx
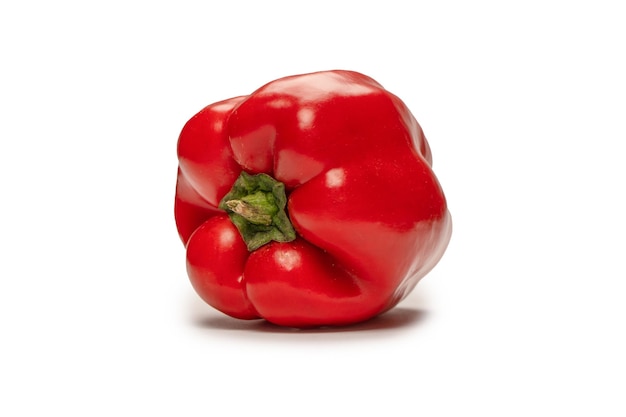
256,206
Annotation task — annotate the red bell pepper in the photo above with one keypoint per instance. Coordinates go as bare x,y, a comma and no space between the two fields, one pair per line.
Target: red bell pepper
310,202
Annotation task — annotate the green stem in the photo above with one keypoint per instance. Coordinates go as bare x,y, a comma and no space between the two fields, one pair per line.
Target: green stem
249,212
256,206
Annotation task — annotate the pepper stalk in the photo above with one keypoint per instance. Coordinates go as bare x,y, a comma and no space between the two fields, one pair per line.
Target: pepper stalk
256,206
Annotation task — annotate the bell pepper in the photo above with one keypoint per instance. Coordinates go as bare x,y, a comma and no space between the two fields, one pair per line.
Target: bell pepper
310,202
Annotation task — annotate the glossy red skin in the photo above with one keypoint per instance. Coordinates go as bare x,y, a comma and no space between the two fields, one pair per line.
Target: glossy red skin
370,215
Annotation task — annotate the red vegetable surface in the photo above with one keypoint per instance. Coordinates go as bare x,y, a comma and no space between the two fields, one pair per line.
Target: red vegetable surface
310,202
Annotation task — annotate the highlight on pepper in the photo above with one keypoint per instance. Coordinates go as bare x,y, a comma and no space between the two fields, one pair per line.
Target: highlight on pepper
310,202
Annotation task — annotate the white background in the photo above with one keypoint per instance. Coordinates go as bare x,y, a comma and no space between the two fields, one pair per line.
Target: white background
524,107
